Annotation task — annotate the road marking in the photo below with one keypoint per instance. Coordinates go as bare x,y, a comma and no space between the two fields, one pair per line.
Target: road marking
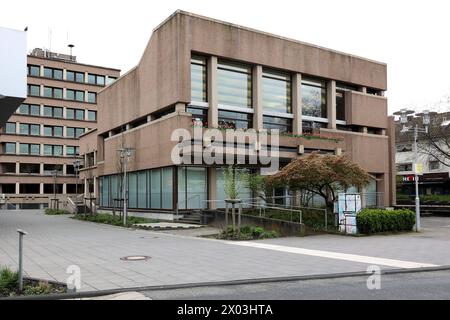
336,255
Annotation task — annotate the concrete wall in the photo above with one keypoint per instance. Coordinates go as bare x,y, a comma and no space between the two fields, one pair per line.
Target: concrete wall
365,110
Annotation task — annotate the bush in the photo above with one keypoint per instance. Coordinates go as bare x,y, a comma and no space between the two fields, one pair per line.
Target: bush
112,220
247,233
9,282
380,220
56,212
40,288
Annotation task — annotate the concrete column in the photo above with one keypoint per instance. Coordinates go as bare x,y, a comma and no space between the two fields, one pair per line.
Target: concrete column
213,98
17,167
17,188
127,127
42,129
86,93
86,75
297,103
64,74
363,89
64,150
64,189
257,98
64,169
41,188
331,104
364,129
95,187
41,71
17,127
42,149
149,118
41,169
41,110
383,132
17,147
383,188
212,187
64,112
180,107
42,90
64,93
86,187
64,131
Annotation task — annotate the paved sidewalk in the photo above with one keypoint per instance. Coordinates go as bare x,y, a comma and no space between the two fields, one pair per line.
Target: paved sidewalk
56,242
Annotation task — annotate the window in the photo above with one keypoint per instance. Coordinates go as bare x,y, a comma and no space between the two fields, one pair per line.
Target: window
53,131
72,151
101,80
341,88
8,167
92,115
374,92
48,168
53,150
30,129
199,116
75,95
79,77
404,148
404,167
10,127
234,84
192,188
91,78
53,73
434,165
198,79
314,98
29,188
276,92
92,97
74,132
34,90
29,109
111,80
8,188
70,113
70,75
10,148
235,120
309,127
96,79
54,112
34,71
55,93
30,168
27,148
282,124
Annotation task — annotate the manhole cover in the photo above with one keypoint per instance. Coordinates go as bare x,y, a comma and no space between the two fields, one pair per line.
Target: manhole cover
135,258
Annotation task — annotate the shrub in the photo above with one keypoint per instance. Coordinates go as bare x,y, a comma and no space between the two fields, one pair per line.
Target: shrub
247,233
40,288
9,282
112,220
56,212
380,220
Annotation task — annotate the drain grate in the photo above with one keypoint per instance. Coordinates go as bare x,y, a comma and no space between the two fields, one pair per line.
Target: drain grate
135,258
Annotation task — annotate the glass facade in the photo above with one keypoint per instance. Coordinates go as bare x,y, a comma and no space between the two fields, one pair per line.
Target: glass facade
198,79
276,91
34,71
192,188
235,120
234,84
282,124
148,189
10,127
34,90
314,98
199,116
29,109
244,192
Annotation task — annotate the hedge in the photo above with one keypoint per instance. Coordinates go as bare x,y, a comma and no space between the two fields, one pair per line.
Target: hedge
380,220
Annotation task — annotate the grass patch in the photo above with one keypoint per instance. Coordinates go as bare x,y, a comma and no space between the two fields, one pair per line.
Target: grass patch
56,212
105,218
247,233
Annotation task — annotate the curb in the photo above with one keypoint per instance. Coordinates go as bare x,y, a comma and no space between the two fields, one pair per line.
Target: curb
90,294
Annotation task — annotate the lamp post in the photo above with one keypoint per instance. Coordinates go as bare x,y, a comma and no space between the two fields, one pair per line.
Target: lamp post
404,113
125,155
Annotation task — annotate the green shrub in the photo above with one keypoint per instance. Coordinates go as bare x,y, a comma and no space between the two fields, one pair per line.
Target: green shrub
56,212
380,220
9,282
112,220
40,288
247,233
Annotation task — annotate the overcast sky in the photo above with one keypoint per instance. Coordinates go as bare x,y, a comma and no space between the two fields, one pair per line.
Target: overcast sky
412,37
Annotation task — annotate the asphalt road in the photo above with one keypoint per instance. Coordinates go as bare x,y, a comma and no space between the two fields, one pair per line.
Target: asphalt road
423,285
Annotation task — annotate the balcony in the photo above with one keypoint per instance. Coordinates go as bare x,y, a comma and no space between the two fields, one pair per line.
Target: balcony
366,110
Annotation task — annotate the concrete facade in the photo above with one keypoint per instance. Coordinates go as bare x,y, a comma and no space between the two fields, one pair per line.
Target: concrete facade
30,188
144,106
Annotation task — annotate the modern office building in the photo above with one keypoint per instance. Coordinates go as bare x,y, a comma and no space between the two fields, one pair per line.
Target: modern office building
435,180
197,71
39,142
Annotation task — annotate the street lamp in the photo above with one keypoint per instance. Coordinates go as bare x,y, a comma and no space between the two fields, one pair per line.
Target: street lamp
125,155
404,113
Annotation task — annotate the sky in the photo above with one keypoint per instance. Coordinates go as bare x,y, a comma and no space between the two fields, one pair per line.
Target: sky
410,36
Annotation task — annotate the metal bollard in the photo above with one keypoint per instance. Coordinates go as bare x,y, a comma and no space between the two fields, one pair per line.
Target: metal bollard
21,234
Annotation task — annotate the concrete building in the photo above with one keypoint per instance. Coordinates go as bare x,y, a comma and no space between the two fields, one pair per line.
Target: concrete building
435,181
199,71
41,137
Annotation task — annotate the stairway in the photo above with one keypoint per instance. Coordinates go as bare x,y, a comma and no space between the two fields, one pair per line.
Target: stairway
191,217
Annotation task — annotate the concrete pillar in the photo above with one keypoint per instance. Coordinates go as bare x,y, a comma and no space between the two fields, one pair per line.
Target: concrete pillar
383,189
363,89
95,187
41,188
213,99
331,104
64,169
364,129
42,149
297,103
64,74
17,147
86,188
41,110
64,93
17,188
17,127
42,90
86,93
17,167
86,76
180,107
41,71
41,169
383,132
212,187
257,98
42,129
64,189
